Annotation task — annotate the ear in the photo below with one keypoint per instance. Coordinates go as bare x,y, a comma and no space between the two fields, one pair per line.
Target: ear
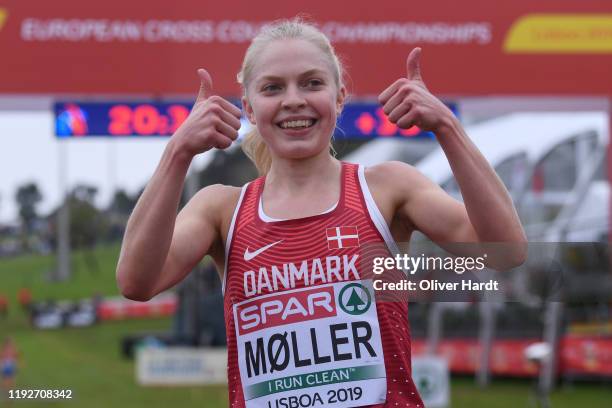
246,106
340,100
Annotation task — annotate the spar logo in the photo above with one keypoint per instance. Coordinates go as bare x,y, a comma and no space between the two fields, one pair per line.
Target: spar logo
354,299
3,15
285,308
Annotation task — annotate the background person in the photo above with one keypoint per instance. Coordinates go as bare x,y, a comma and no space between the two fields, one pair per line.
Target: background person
8,365
4,305
24,297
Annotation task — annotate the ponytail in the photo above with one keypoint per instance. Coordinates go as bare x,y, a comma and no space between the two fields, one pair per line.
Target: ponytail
256,149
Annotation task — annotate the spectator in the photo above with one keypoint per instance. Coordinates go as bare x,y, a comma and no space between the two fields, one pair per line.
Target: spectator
3,305
8,364
25,298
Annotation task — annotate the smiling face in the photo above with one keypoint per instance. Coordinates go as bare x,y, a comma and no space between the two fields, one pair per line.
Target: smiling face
293,98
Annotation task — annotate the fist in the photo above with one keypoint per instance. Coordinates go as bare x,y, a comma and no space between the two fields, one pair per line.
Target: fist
213,121
408,102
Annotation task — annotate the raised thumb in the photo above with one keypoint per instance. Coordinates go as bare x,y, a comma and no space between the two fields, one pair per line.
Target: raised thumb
206,86
413,67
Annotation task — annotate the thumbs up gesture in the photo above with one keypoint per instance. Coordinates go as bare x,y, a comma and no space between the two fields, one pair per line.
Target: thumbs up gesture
407,102
213,121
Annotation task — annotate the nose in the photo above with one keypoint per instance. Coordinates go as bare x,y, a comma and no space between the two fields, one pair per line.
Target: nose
293,98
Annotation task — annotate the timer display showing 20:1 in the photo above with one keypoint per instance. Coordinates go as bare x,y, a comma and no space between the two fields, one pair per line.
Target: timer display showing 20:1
145,119
125,119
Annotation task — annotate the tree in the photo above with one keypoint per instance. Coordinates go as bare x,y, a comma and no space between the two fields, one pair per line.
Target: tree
28,196
118,212
87,223
85,193
122,202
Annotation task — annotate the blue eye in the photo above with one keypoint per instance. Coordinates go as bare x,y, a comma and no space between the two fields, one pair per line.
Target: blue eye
314,83
270,88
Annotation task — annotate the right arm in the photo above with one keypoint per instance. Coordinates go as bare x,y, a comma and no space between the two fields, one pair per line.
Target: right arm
159,248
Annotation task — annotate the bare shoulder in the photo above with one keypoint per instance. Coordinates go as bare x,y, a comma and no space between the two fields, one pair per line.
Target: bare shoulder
395,178
216,196
390,169
398,189
216,201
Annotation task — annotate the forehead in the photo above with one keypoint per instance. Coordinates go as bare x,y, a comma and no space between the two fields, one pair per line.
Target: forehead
288,58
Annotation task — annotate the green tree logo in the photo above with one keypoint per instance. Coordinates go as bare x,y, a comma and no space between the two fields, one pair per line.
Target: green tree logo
355,299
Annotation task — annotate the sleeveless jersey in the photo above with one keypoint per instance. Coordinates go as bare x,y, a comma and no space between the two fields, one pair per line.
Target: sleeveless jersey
304,326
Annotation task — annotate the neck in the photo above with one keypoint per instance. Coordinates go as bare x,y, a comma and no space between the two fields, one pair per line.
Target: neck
293,175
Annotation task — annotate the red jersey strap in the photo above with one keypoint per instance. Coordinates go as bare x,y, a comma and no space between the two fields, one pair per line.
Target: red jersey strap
349,197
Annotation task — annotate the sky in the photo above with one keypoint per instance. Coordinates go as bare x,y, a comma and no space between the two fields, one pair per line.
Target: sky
30,152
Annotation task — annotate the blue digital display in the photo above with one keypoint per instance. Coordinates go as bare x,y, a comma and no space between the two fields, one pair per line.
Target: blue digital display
141,119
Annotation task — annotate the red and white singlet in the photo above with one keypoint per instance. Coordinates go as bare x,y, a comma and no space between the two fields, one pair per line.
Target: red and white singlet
304,326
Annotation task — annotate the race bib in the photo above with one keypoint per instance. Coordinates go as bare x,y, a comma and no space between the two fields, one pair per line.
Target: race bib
311,347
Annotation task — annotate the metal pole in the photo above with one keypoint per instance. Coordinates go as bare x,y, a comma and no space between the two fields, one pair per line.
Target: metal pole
192,184
62,271
552,327
434,328
487,325
111,156
609,159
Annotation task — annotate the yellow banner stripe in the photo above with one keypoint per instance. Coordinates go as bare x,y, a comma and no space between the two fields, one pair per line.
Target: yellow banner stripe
561,33
3,15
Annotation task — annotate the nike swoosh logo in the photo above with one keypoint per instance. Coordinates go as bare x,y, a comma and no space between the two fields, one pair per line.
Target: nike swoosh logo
248,255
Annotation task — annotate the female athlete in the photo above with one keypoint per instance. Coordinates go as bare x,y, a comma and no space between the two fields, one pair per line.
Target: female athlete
303,324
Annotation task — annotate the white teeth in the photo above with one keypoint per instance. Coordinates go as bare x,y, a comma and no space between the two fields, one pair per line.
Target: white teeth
297,123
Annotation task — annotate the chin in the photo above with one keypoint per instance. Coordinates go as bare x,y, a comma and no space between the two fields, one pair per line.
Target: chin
299,149
299,153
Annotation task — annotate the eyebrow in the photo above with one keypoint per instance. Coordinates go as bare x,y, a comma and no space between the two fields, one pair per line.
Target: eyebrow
303,74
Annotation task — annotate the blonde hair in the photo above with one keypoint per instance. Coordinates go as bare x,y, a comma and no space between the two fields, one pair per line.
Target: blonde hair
253,144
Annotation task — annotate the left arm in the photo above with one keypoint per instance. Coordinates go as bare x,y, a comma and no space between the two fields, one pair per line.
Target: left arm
487,202
487,214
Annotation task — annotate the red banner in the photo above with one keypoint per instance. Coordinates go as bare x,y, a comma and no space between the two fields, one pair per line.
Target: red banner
578,356
464,356
120,308
587,356
153,47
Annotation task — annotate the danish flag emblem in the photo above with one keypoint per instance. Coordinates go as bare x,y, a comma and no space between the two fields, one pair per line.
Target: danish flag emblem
342,237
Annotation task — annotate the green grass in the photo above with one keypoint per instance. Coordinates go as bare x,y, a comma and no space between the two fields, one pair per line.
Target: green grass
34,272
514,393
88,360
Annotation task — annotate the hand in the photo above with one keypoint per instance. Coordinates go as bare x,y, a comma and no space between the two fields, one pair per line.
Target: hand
408,102
213,121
